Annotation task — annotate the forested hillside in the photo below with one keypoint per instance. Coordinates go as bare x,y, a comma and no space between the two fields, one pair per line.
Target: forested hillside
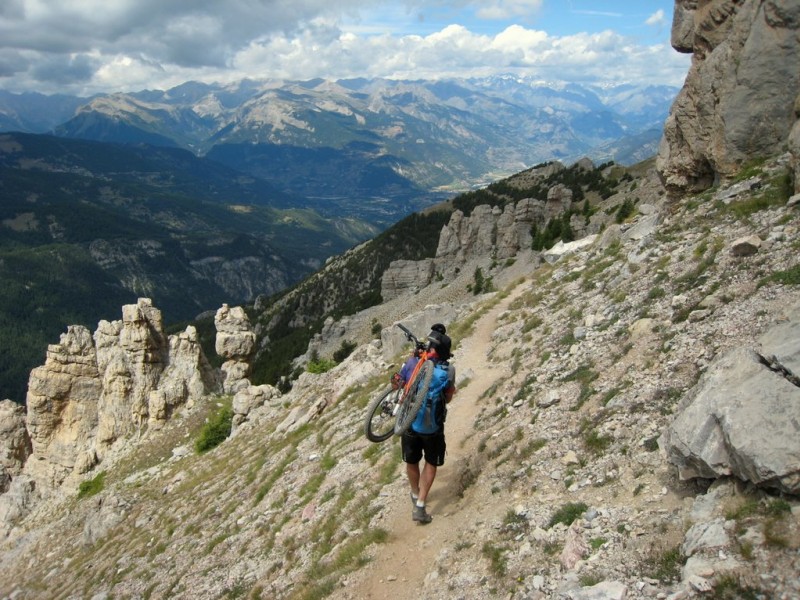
86,227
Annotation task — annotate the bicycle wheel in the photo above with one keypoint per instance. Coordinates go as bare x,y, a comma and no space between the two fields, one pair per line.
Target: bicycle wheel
410,405
380,420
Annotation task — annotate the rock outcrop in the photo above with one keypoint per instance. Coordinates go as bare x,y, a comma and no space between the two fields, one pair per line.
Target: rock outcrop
95,390
236,342
487,232
62,409
404,276
738,101
742,418
491,234
15,444
491,231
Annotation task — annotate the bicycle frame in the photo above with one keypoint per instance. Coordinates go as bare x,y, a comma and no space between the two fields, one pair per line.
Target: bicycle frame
423,357
398,406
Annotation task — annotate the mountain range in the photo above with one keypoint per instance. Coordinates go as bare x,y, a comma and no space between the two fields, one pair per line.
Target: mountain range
383,137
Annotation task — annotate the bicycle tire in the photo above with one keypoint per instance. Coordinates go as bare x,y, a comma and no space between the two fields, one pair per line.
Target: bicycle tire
413,401
381,418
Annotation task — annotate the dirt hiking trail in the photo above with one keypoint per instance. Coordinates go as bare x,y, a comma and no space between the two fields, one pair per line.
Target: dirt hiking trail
400,565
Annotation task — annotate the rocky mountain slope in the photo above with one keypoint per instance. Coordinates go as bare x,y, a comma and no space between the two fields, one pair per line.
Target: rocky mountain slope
573,377
625,426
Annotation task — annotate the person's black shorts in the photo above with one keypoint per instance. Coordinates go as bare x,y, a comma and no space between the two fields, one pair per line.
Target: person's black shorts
413,446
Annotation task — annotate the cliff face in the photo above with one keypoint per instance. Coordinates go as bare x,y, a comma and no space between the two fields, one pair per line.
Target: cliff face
738,101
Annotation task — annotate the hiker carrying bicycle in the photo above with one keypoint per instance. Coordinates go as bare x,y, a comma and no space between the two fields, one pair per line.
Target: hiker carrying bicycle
425,436
401,378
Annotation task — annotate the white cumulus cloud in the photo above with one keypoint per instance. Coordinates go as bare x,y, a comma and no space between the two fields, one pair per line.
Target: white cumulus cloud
657,18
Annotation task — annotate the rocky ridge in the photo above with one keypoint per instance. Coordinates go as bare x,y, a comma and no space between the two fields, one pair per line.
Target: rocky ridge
95,396
491,232
598,354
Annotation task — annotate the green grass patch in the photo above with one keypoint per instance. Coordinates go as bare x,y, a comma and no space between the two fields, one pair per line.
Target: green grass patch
590,579
790,276
596,543
663,564
532,447
498,563
92,486
729,586
274,475
322,579
567,514
742,510
751,168
775,194
595,442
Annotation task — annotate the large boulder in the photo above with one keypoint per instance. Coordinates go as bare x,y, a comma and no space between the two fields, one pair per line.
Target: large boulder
742,419
235,337
738,99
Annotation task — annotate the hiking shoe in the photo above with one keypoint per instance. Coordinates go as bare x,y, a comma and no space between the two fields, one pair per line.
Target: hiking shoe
420,516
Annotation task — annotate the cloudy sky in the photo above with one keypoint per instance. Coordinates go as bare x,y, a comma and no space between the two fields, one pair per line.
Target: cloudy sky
88,46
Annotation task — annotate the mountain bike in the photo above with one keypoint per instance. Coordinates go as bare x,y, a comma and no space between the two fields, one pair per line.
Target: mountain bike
393,410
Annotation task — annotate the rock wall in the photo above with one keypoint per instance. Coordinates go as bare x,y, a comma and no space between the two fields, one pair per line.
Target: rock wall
488,233
738,101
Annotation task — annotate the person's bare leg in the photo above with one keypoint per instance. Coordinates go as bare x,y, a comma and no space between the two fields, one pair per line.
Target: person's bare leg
412,471
426,481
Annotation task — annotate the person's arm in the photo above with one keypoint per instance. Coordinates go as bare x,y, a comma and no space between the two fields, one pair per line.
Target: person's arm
407,369
451,384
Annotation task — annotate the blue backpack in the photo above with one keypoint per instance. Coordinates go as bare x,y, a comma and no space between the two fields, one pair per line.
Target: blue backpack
431,416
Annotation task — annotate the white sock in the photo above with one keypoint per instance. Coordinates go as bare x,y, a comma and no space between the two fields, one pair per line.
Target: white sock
420,503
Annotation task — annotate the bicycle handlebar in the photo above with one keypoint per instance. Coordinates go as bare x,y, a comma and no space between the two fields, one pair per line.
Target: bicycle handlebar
409,336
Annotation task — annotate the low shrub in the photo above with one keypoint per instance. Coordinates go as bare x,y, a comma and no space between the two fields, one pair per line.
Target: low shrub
322,365
216,430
